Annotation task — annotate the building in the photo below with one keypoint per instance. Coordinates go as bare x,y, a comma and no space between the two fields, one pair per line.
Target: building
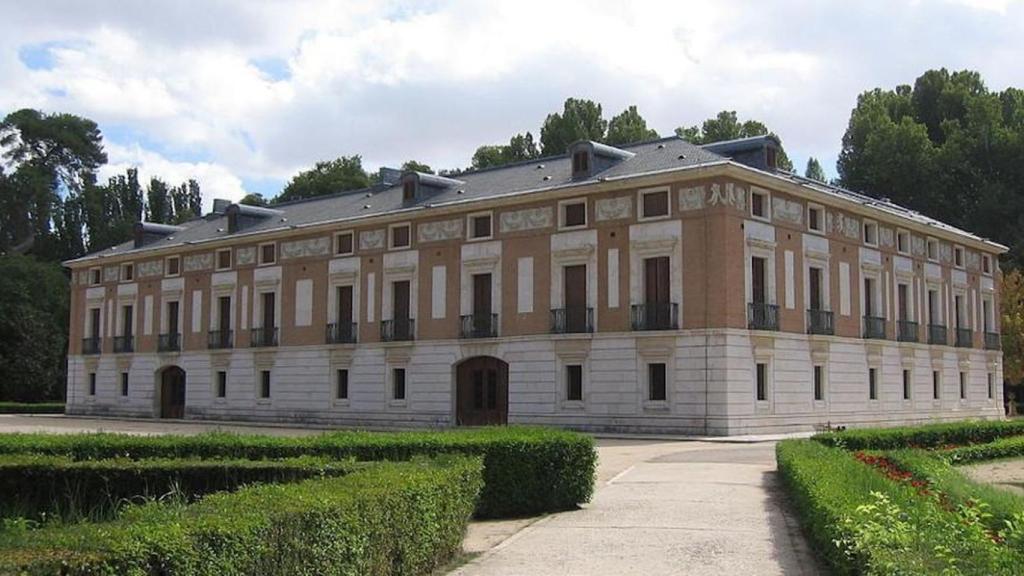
661,287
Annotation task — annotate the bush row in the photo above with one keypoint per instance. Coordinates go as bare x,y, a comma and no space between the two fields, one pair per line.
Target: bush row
526,470
1010,447
928,436
31,408
386,518
44,487
863,523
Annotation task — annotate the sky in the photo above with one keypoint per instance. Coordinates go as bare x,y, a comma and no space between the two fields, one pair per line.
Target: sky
242,94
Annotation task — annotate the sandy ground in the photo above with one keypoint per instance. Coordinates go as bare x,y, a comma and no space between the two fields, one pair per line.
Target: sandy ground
1007,474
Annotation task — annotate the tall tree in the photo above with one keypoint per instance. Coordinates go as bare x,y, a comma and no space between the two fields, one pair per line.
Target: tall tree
158,202
727,126
1012,325
519,148
187,200
414,166
580,120
628,127
344,173
814,170
253,199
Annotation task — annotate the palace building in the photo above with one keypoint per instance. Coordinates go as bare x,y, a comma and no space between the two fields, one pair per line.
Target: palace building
662,287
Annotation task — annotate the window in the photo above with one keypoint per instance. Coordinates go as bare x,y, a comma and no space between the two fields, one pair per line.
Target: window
580,162
344,243
408,190
173,266
341,385
400,236
903,242
936,384
654,203
932,249
759,204
872,383
819,383
574,382
265,384
656,388
963,385
398,383
92,383
815,218
95,275
761,381
986,264
870,233
574,214
124,383
127,272
479,226
224,259
906,384
268,253
222,384
991,385
958,256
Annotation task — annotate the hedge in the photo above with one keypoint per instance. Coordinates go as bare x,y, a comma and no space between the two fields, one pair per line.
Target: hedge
863,523
57,487
1010,447
928,436
388,518
526,470
31,408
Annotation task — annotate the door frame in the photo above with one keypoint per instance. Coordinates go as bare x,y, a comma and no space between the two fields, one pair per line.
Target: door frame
161,374
503,383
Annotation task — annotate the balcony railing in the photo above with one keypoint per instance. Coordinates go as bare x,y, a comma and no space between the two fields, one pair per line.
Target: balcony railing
820,322
964,338
342,333
91,345
573,320
123,344
906,331
874,327
220,339
663,316
169,342
761,316
479,326
936,334
993,341
398,330
263,337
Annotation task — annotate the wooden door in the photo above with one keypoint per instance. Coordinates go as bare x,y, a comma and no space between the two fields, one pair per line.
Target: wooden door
482,392
172,393
575,296
657,292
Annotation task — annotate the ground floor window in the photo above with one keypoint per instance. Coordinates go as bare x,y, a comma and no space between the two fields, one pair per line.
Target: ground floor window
872,384
222,384
656,388
265,384
341,385
761,384
92,383
574,382
936,384
398,383
906,384
963,385
124,383
819,383
991,386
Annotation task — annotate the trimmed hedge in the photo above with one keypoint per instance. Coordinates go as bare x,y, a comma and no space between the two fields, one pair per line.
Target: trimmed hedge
33,408
58,487
928,436
1010,447
526,470
387,518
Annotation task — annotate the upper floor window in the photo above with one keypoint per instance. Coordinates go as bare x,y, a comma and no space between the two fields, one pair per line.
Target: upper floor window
344,243
173,266
815,218
95,276
958,256
654,203
933,249
480,226
870,233
574,214
580,162
127,272
903,242
400,236
408,190
986,264
268,253
224,259
759,204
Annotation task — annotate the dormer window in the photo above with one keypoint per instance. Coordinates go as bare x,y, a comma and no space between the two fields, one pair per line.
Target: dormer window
580,162
408,191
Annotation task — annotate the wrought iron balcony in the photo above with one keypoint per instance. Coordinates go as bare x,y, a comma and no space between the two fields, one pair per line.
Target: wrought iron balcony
761,316
124,344
397,330
993,341
964,338
92,345
936,334
820,322
479,326
874,327
342,333
169,342
655,316
572,320
220,339
906,331
263,337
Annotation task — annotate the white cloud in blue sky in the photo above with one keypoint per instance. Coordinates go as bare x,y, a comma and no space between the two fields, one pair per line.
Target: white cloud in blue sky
241,95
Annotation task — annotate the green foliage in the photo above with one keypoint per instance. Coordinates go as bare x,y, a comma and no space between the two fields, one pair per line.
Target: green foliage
526,470
928,436
814,170
33,329
1011,300
414,166
519,148
338,175
726,126
580,120
389,518
253,199
1008,447
31,407
627,128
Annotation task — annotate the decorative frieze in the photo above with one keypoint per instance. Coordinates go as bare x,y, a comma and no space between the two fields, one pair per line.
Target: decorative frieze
150,268
371,240
731,195
245,256
614,208
111,274
691,199
305,248
946,253
973,261
917,246
438,231
197,262
787,211
843,225
886,237
527,219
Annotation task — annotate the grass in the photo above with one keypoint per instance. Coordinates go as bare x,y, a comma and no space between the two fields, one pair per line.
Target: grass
31,408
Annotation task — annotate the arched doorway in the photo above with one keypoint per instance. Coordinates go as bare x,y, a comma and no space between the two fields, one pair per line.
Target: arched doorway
481,395
172,392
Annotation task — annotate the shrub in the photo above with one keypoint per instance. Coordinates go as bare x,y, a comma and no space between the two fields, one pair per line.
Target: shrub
58,487
928,436
526,470
1010,447
31,408
387,518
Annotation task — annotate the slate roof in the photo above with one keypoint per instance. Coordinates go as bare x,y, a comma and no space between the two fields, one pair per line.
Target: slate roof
664,154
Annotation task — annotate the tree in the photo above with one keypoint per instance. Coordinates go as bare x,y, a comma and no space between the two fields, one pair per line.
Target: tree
253,199
519,148
580,120
1012,325
414,166
726,126
814,170
628,127
158,202
187,200
344,173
